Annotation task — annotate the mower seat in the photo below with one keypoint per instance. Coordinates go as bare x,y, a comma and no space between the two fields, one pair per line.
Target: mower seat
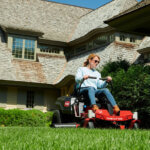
102,102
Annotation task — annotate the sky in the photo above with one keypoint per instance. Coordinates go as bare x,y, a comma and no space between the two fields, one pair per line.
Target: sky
84,3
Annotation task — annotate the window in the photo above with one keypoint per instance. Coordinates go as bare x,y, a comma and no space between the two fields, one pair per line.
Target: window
17,47
80,49
29,49
30,99
49,49
90,45
100,41
132,39
122,38
111,37
23,48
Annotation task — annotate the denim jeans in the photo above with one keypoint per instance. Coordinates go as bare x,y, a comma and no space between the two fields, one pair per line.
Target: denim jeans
92,93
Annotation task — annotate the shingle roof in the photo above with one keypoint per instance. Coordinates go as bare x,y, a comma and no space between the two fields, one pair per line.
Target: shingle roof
139,5
56,21
95,19
145,44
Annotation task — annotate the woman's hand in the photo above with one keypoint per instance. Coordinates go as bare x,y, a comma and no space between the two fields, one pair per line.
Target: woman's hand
109,79
85,77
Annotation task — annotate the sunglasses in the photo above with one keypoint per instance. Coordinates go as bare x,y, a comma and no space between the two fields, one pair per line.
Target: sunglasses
96,61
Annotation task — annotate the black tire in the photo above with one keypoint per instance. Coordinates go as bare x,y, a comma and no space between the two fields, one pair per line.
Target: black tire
56,117
91,125
136,125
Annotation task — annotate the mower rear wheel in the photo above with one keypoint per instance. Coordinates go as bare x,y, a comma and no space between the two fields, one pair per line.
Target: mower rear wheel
56,117
91,125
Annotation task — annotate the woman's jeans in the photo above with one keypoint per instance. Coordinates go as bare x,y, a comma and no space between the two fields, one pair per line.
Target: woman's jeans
92,93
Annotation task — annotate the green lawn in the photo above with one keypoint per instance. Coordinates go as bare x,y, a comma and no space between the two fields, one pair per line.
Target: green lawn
28,138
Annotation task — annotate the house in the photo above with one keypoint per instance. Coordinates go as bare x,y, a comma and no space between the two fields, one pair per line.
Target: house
42,44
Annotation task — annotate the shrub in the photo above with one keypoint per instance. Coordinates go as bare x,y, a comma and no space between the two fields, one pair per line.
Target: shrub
16,117
113,67
131,88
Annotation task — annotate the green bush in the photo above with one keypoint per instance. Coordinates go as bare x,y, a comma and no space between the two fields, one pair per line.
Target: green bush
16,117
113,67
131,88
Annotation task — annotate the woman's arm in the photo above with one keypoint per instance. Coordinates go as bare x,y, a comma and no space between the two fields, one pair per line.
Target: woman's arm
79,75
101,83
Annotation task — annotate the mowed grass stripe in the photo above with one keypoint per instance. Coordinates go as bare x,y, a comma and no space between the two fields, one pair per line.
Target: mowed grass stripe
28,138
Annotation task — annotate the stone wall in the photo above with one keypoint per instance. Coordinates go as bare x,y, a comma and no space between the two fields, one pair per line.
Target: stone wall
7,70
51,69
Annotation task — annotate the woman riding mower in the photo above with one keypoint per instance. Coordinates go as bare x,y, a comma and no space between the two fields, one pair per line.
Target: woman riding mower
94,87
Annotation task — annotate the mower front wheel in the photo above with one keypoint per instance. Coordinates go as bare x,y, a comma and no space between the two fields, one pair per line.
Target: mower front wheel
91,125
136,125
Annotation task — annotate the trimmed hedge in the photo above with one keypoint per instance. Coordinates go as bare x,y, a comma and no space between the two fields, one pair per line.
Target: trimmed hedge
131,88
16,117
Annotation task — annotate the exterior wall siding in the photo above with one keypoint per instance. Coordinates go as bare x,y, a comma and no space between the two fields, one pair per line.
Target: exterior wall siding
21,98
12,95
3,96
39,100
16,97
50,98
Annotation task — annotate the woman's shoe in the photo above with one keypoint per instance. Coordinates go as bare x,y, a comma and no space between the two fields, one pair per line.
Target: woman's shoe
94,108
116,110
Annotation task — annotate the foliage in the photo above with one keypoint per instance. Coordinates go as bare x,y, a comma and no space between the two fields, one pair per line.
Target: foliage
16,117
72,139
113,67
131,88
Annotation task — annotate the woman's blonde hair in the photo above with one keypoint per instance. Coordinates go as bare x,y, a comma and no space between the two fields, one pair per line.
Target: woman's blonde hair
91,56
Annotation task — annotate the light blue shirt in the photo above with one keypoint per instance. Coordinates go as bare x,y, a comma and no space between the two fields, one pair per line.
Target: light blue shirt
96,83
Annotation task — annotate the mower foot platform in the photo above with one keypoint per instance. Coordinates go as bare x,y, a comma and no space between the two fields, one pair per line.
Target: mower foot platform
65,125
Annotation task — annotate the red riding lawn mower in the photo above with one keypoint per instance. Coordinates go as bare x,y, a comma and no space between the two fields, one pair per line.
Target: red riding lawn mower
74,111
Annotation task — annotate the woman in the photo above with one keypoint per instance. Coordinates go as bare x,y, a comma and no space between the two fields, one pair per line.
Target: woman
94,87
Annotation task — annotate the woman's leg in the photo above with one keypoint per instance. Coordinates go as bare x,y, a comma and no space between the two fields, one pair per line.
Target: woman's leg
109,97
107,94
90,92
